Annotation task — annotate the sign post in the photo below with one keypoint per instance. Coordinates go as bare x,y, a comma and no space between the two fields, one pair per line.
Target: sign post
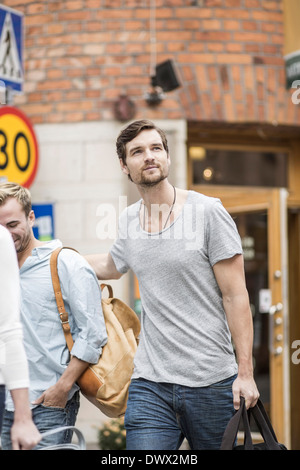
11,52
18,147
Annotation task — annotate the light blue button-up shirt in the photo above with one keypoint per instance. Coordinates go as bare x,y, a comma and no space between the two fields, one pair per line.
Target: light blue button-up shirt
44,340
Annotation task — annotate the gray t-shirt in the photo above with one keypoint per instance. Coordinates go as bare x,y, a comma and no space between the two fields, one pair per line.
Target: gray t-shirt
185,338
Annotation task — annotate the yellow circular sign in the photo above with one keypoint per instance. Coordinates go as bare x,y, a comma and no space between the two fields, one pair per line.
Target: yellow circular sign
18,147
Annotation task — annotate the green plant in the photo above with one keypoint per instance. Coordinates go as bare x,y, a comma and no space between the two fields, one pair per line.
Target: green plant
112,435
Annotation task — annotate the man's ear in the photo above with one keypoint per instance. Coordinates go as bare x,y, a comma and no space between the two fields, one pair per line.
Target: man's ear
31,218
169,160
124,167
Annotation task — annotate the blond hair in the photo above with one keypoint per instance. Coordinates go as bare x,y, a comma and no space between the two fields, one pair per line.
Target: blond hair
21,194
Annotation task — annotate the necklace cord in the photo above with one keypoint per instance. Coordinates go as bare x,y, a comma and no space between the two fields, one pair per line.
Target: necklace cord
170,212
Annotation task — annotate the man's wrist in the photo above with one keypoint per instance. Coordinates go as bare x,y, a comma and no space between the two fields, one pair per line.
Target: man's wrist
245,369
64,384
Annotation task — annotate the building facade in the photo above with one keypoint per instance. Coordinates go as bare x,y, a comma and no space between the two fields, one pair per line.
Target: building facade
232,124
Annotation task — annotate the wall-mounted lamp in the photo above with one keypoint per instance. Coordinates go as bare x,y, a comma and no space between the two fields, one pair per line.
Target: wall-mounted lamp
164,80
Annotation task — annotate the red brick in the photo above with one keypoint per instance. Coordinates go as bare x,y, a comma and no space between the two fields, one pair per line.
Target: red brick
55,73
213,36
231,24
91,50
249,25
74,117
191,24
267,16
249,78
232,13
54,96
236,73
193,12
215,47
235,47
38,19
54,28
74,106
233,58
37,7
74,15
251,37
212,73
54,85
195,58
211,24
36,108
74,5
201,76
173,24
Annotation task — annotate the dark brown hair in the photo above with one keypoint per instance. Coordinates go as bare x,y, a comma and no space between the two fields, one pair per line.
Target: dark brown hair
131,131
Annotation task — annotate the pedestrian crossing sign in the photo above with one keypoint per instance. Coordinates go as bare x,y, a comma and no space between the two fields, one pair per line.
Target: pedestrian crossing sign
11,49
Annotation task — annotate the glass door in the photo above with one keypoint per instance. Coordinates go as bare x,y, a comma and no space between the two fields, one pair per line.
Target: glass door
260,216
253,228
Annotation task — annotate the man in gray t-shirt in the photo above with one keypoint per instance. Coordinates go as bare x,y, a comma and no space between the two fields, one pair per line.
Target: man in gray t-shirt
186,253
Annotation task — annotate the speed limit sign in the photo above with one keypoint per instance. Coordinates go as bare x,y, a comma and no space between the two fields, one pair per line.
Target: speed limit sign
18,147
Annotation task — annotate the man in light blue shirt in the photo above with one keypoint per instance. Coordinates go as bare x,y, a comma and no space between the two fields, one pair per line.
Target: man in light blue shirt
54,393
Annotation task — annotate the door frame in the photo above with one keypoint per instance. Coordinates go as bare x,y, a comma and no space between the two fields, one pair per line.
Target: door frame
274,201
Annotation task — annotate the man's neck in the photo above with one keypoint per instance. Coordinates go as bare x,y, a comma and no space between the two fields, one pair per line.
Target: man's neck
23,255
161,193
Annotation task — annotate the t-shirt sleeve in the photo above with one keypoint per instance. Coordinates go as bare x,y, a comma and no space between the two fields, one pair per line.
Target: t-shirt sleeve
222,237
118,253
119,250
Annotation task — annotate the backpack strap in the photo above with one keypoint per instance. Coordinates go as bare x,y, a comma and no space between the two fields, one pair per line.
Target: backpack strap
109,288
63,315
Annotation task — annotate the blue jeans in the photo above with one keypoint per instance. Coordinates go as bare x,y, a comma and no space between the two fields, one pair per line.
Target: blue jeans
160,415
46,418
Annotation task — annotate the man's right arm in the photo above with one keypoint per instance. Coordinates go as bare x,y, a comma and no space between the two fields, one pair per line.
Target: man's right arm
104,266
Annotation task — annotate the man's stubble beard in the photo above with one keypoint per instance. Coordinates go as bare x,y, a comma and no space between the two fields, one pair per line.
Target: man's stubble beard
24,241
146,182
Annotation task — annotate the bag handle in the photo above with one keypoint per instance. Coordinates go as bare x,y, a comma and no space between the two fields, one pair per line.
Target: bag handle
264,425
262,421
110,291
232,428
63,315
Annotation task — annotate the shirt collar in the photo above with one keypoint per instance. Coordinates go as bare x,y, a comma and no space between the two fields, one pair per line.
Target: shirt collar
45,250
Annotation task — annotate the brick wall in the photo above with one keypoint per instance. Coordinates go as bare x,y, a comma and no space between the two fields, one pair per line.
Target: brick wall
82,54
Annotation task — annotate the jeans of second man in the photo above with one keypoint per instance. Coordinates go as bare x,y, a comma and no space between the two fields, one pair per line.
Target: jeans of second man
160,415
46,418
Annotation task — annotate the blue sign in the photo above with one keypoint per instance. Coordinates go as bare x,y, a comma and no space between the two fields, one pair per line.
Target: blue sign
43,228
11,49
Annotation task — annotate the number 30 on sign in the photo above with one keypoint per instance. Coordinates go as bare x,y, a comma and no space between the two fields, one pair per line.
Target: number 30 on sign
18,148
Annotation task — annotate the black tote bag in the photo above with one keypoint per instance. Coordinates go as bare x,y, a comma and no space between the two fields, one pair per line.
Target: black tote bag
264,425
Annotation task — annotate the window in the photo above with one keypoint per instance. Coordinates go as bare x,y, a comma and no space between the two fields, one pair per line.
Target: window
229,167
